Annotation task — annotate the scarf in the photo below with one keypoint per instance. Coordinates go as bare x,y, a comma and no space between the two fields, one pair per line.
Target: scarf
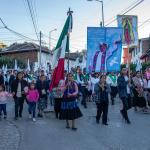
113,78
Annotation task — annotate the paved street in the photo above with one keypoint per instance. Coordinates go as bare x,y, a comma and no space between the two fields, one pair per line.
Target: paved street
49,133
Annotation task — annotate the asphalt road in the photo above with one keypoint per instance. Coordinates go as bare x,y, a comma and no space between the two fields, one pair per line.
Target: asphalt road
50,134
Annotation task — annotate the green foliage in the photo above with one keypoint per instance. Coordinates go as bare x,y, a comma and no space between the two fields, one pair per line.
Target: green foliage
145,65
11,62
133,66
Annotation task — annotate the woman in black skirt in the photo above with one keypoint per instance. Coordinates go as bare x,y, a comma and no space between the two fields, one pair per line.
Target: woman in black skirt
138,99
69,107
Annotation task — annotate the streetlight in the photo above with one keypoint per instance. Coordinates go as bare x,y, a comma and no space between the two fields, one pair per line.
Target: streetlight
101,1
50,32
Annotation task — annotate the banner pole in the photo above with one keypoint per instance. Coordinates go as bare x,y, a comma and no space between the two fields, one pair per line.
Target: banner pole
129,70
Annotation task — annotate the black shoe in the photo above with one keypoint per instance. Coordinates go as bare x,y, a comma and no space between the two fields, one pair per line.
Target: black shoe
67,127
128,121
97,121
57,116
20,115
121,111
16,118
106,124
39,115
74,129
85,106
5,117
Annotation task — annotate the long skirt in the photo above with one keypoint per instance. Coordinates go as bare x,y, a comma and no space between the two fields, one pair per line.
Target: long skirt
42,104
69,109
139,102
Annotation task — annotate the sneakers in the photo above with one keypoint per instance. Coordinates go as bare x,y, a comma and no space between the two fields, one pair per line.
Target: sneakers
34,120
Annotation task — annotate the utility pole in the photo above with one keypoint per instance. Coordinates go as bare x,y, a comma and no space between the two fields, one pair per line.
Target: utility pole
102,24
40,50
102,12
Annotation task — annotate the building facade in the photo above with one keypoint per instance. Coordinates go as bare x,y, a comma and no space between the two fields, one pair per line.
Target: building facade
27,51
141,52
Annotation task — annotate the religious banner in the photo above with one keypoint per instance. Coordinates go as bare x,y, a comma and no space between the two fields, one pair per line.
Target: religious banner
104,49
130,32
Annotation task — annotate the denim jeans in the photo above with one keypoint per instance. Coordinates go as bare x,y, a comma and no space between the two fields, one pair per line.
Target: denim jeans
32,108
3,108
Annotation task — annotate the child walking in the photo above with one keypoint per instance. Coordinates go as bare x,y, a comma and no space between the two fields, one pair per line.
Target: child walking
32,98
4,96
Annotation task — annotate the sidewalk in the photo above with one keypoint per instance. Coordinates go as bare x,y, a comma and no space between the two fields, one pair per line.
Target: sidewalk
9,133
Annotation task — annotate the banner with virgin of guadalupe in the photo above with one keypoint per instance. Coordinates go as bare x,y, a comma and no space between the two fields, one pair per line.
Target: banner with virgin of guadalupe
129,25
104,49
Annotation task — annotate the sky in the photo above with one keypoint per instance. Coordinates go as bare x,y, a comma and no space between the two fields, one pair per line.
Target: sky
51,14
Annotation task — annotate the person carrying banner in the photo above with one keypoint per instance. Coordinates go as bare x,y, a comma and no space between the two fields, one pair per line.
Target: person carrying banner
124,90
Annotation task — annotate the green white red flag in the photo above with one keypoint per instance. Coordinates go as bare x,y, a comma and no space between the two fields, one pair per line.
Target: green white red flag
59,53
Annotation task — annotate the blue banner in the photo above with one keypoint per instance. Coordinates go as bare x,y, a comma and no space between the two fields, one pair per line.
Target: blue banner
104,49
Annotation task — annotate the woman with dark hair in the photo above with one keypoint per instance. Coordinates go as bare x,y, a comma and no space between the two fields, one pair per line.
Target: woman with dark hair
101,94
17,89
58,97
42,86
69,107
139,100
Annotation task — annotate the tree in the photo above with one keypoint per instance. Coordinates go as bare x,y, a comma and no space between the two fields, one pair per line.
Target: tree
11,62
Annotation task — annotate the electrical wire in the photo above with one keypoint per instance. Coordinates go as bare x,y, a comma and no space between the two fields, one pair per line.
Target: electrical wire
146,21
31,10
130,8
13,31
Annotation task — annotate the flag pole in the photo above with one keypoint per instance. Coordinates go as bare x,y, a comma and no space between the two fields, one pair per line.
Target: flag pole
69,13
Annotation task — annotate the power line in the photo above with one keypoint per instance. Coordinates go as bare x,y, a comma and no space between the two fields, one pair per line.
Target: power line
130,8
31,10
146,21
13,31
122,11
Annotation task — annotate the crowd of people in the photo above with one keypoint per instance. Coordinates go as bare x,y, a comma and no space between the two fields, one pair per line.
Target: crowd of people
78,86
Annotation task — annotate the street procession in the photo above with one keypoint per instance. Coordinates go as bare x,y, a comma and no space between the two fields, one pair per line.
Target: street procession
83,85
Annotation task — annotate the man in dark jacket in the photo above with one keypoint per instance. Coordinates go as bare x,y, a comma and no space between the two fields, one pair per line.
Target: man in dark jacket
17,89
123,86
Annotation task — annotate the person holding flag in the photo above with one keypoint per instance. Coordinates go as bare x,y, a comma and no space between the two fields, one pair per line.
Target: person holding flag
69,109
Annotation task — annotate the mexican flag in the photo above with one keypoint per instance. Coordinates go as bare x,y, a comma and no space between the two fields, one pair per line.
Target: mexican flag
59,53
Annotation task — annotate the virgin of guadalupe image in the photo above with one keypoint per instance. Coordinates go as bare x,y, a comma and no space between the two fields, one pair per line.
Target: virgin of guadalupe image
128,35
